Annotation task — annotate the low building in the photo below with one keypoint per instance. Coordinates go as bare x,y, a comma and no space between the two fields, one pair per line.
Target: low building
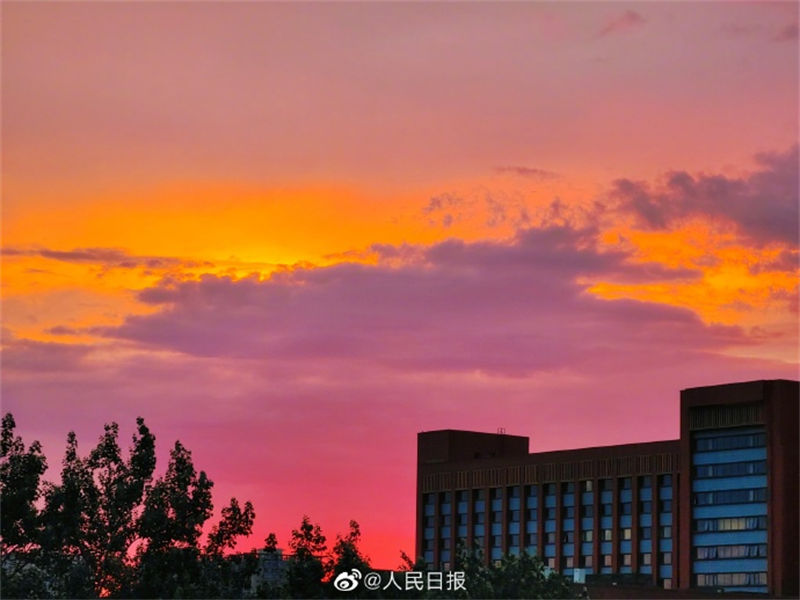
715,509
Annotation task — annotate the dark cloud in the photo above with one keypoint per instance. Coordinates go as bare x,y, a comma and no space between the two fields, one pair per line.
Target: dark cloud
626,21
530,172
763,205
787,34
107,258
63,330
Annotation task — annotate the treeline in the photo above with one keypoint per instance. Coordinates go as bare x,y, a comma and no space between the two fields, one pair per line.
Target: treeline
110,529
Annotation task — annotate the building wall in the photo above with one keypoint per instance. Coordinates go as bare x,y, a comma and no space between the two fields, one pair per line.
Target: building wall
698,511
749,509
604,510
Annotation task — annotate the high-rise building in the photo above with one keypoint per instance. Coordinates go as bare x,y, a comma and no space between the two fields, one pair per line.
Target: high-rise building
716,508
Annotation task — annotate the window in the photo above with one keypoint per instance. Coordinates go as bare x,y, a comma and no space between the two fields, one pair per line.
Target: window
568,512
461,496
606,560
444,543
645,481
645,533
429,521
530,514
550,513
665,480
496,541
607,510
665,506
586,486
530,539
550,489
730,524
551,563
605,535
665,558
567,537
587,510
586,535
626,560
513,540
730,579
497,517
625,508
625,483
445,520
477,495
479,518
567,487
606,485
730,442
550,537
733,551
568,562
757,467
513,492
586,561
513,516
497,493
477,541
645,558
645,507
461,519
625,533
730,496
665,531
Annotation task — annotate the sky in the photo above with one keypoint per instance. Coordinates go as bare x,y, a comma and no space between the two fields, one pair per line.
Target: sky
294,235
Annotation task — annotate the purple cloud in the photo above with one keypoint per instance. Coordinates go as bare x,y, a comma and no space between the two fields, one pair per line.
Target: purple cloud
508,308
42,357
763,205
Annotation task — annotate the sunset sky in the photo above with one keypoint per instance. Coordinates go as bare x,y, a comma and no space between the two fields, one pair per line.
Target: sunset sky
294,235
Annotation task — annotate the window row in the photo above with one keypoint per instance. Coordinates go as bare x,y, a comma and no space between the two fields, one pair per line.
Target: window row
550,513
730,442
730,496
548,489
735,551
730,579
730,524
737,469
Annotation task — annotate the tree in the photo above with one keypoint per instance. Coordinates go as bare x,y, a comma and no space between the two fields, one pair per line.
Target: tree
347,556
234,523
175,509
20,474
306,570
271,543
90,519
522,576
